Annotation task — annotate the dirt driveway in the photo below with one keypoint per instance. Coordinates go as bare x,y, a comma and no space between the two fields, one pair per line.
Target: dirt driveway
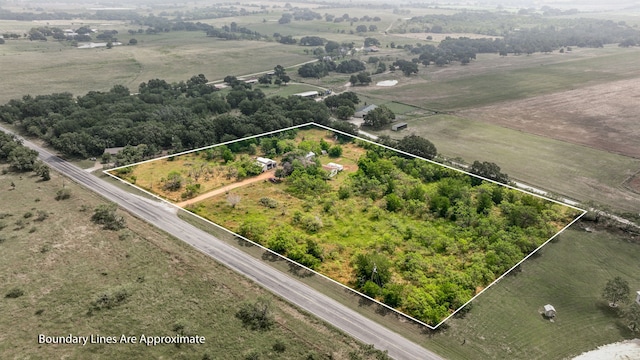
262,177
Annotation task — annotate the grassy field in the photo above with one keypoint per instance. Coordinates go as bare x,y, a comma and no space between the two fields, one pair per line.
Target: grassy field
493,79
48,67
63,262
575,171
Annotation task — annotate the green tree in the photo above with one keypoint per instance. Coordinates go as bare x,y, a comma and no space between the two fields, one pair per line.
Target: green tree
616,291
632,317
42,170
488,170
372,267
364,78
419,146
133,41
379,117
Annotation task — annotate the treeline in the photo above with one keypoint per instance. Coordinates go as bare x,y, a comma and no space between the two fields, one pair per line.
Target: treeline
210,12
524,41
163,116
526,34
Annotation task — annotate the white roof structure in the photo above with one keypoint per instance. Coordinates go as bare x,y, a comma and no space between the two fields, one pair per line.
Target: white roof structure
307,94
335,166
265,160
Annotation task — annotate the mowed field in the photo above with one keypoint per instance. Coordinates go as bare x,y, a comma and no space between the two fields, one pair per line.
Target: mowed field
63,263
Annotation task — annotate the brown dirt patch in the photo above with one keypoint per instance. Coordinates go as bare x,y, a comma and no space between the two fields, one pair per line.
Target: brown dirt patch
602,116
633,183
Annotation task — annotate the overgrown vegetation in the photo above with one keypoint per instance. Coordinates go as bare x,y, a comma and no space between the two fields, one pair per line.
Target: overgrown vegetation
372,222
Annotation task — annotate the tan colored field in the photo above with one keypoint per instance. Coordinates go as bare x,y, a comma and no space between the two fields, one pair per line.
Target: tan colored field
602,116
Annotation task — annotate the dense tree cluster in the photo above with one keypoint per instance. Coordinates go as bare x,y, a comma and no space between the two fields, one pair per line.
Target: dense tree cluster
362,78
161,116
343,106
489,171
350,66
312,41
234,32
317,70
407,67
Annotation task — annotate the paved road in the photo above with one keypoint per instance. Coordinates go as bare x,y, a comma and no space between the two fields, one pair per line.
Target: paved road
273,280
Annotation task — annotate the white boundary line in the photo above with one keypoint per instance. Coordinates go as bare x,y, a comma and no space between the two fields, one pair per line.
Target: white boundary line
432,327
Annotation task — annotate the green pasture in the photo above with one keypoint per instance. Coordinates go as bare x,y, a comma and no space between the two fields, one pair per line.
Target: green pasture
489,85
49,67
575,171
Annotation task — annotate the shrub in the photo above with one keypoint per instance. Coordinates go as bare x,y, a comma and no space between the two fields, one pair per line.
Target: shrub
335,151
42,215
256,316
63,194
268,202
105,215
279,346
111,299
14,293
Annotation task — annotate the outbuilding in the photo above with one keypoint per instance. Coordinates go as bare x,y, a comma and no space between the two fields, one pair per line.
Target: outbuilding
364,111
549,311
307,94
399,126
267,164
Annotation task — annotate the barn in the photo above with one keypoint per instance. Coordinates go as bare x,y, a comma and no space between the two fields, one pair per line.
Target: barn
364,111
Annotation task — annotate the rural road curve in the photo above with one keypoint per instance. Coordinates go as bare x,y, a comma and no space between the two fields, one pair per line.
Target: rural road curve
277,282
